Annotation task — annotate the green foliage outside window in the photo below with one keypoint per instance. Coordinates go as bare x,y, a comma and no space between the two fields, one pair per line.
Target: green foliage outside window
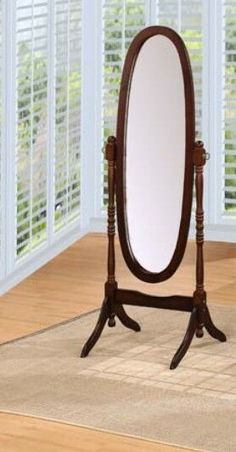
32,127
230,112
116,41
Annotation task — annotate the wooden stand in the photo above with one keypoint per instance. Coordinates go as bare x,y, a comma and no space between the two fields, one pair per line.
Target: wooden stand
115,298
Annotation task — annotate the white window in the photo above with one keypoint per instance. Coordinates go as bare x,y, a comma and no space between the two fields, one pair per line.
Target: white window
31,125
186,17
228,148
209,32
122,20
41,63
1,145
67,112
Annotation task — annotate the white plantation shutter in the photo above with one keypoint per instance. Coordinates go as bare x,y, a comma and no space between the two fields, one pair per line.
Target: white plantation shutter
185,16
40,132
67,112
122,20
1,125
48,97
31,124
40,164
228,161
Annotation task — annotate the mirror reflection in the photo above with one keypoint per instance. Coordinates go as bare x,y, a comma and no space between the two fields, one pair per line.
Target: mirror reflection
155,153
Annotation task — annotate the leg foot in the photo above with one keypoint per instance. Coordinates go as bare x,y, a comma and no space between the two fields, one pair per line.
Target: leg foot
97,330
211,328
111,321
199,332
125,319
191,329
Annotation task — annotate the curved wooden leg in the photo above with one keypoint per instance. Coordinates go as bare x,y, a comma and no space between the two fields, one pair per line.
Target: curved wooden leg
191,329
103,317
201,321
111,320
199,332
211,328
125,319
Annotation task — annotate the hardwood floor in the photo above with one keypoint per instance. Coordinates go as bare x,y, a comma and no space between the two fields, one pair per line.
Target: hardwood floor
27,434
72,284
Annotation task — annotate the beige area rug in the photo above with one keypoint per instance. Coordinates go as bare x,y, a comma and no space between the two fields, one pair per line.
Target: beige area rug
125,385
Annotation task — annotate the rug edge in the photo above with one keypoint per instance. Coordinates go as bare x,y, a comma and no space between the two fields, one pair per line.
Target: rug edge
74,319
48,328
96,429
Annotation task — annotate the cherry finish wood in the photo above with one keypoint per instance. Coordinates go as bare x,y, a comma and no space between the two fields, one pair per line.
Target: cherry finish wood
192,328
126,81
115,298
175,302
109,308
200,316
199,159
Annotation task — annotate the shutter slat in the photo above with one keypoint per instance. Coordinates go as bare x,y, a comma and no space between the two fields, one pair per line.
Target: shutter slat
118,37
67,112
229,109
130,19
1,127
31,122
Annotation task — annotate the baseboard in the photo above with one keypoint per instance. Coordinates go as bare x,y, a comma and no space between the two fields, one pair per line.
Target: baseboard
216,233
40,258
98,224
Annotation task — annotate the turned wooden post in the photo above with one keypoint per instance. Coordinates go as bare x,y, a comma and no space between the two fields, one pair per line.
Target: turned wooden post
199,159
111,284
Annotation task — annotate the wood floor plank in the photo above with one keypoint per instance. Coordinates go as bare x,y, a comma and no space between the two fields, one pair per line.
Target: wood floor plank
72,284
26,434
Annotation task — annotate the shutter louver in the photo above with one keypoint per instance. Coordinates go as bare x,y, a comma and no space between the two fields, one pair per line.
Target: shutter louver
1,125
67,112
185,17
229,112
31,124
122,20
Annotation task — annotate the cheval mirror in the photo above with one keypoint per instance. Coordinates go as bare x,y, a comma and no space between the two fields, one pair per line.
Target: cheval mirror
151,165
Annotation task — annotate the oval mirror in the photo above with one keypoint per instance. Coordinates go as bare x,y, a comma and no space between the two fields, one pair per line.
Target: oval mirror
155,141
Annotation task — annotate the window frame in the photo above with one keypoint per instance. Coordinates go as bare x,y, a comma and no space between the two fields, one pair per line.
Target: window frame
216,226
12,270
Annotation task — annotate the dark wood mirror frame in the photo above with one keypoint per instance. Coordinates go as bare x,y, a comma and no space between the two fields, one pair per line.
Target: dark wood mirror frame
126,82
195,159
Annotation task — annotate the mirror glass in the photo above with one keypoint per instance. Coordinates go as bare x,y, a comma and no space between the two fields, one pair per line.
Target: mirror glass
155,153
